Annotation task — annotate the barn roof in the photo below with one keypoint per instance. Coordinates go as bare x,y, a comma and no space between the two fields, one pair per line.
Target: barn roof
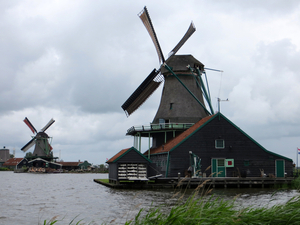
172,144
123,152
12,162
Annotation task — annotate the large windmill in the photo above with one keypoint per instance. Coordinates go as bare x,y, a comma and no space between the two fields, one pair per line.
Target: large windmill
40,139
183,91
183,94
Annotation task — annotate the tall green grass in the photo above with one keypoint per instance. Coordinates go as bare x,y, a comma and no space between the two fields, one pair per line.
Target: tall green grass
296,183
219,211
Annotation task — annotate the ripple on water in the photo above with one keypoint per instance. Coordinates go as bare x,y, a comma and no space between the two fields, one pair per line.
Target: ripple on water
30,198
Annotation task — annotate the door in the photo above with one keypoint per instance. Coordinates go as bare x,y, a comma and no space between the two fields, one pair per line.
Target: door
218,168
279,167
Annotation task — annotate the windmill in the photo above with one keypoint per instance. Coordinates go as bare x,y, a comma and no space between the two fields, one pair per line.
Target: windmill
182,99
40,139
183,91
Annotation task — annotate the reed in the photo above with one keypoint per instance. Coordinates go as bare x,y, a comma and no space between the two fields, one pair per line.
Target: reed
219,211
296,183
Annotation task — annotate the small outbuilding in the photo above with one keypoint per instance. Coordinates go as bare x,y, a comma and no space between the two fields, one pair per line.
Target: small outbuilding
42,163
128,164
12,163
84,165
75,165
216,146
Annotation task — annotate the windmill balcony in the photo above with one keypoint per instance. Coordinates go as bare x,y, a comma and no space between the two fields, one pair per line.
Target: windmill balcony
158,127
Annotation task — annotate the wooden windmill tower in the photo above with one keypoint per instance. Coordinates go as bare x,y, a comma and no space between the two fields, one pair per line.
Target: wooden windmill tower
182,101
40,139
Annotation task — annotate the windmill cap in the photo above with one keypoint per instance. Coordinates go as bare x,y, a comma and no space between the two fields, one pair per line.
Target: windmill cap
179,63
42,134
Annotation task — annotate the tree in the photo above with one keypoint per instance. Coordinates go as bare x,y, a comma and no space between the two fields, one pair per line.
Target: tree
28,155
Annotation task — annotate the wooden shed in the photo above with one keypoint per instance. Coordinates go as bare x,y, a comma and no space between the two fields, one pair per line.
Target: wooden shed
13,162
84,165
42,163
216,146
128,164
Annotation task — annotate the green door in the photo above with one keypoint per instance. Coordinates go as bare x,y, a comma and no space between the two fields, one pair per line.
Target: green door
279,168
218,168
221,167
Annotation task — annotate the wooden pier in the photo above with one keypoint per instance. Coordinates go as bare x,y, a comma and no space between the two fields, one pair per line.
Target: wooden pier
237,182
213,182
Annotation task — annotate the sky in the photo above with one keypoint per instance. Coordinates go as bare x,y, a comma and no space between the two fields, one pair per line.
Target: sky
77,61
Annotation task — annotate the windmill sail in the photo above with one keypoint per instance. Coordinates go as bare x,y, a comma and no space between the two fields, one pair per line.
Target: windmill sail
48,125
144,15
142,93
31,127
28,145
187,35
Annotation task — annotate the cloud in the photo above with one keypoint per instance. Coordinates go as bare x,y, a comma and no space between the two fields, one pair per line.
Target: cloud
78,61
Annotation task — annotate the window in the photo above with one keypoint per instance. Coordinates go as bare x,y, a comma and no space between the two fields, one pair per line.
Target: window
220,143
246,162
221,162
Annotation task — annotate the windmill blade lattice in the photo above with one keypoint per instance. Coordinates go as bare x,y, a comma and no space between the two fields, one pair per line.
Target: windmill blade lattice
143,92
48,125
31,127
187,35
144,15
28,145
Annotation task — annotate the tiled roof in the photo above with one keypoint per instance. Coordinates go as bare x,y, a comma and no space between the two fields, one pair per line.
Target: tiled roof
117,155
12,162
172,143
69,163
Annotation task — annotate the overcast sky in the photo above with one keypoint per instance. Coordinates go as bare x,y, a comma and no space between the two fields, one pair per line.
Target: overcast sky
78,61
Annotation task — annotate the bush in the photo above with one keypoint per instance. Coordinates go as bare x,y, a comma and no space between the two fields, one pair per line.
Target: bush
4,169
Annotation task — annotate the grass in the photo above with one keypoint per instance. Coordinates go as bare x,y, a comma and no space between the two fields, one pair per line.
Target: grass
4,169
104,180
219,211
296,183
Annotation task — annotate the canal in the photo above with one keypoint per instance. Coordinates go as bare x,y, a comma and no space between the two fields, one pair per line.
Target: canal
32,198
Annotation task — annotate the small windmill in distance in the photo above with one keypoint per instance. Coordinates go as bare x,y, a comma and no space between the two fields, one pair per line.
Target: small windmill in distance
40,139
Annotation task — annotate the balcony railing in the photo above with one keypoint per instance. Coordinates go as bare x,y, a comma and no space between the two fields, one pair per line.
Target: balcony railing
161,126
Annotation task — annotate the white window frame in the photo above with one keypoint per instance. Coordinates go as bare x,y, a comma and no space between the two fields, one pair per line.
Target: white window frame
216,145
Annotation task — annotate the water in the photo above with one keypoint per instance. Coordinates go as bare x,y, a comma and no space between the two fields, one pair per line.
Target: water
32,198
